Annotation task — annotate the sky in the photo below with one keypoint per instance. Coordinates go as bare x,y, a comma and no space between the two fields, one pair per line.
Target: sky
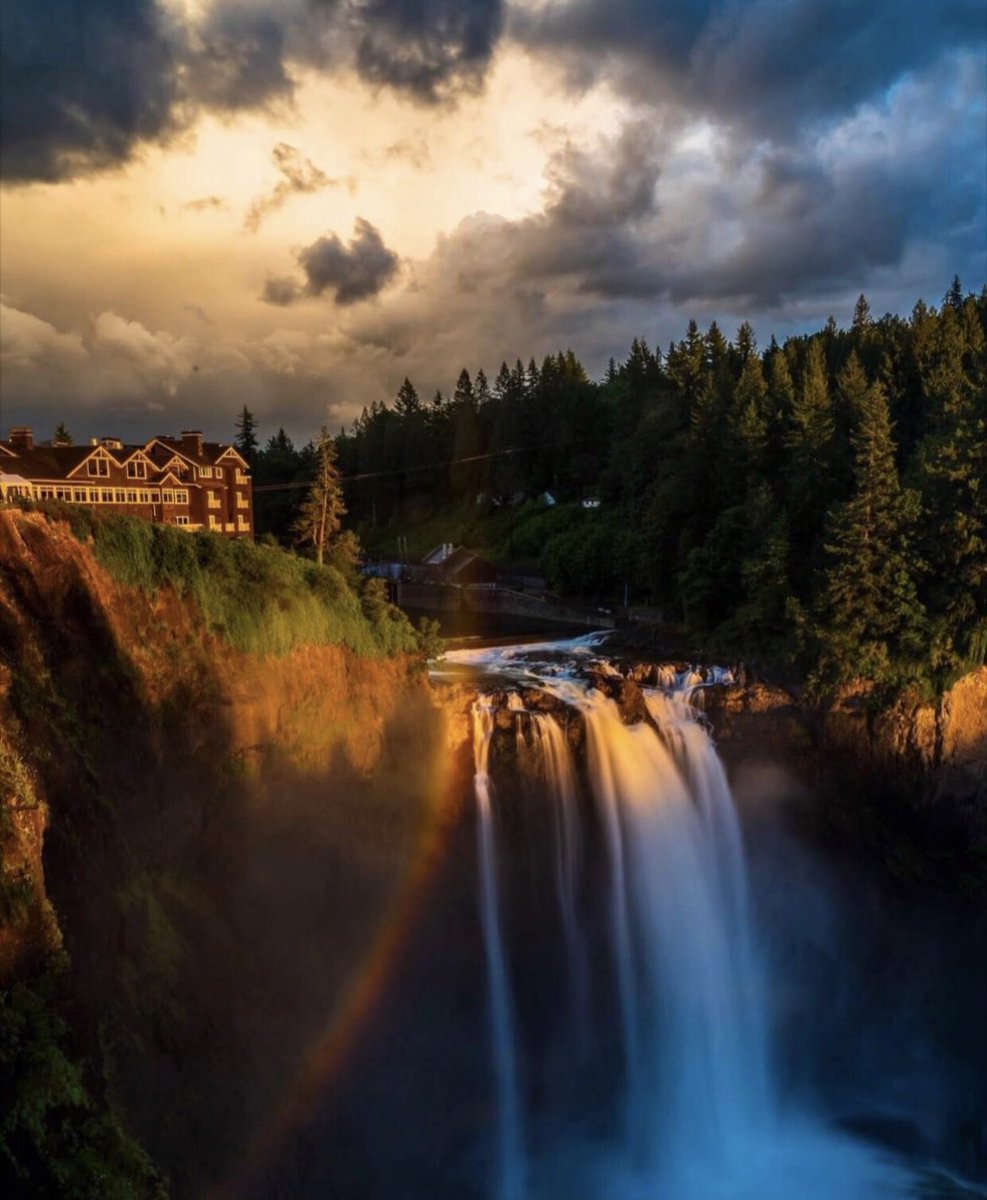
295,204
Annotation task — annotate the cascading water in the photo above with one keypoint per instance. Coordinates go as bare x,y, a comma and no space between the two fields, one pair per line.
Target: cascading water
699,1117
510,1146
551,750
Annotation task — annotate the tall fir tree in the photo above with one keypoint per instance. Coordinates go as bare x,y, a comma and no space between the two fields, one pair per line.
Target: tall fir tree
872,614
321,514
246,435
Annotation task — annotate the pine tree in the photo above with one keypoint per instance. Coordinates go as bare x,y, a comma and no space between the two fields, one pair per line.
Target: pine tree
321,514
872,612
951,470
61,435
861,314
748,412
246,435
406,402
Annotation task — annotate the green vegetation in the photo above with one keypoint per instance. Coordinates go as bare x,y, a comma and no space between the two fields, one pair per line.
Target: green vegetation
55,1140
820,505
261,599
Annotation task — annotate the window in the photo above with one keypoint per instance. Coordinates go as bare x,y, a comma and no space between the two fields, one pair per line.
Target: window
145,496
181,497
212,500
242,501
241,476
79,495
131,497
242,524
155,497
107,495
46,492
213,523
205,472
98,466
137,470
219,472
181,520
121,496
168,497
63,493
94,495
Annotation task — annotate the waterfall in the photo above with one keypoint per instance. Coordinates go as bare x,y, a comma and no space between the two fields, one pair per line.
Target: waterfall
697,1111
510,1146
551,749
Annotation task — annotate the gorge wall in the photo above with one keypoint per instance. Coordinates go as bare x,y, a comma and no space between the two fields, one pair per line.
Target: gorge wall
215,843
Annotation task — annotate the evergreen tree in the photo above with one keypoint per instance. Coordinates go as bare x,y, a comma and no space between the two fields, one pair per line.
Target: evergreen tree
246,435
406,402
861,314
872,612
61,435
749,418
322,511
952,469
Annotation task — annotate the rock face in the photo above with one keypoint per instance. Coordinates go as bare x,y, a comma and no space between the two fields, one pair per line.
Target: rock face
224,839
962,730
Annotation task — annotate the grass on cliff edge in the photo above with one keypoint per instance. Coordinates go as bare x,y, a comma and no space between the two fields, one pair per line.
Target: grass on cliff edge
262,599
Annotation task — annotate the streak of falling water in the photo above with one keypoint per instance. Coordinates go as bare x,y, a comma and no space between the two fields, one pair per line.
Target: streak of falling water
557,766
510,1146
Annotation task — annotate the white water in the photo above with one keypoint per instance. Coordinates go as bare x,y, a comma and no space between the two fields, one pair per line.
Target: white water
551,751
701,1118
510,1148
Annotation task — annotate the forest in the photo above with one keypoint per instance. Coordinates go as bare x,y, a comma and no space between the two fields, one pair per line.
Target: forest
819,505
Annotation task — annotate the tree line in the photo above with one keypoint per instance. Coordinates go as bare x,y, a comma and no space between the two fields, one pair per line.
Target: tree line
821,502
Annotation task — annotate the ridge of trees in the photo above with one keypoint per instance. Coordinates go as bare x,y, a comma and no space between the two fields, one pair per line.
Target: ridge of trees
821,503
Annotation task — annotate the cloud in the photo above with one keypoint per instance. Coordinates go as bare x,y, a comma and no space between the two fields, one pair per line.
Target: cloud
299,176
282,290
26,340
205,203
760,64
82,84
355,272
428,50
126,347
235,58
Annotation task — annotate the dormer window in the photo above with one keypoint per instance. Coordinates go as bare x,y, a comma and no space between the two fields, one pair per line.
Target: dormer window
137,470
98,466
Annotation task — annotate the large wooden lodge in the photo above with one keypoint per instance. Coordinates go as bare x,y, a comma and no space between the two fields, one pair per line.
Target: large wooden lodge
184,481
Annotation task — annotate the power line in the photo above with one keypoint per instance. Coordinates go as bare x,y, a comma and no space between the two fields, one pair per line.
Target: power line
451,462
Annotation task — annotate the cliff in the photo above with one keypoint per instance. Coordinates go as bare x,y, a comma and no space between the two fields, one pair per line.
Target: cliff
201,850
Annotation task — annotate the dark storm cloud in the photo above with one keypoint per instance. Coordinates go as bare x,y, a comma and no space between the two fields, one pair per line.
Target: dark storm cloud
427,47
354,272
772,65
738,223
235,59
81,82
85,82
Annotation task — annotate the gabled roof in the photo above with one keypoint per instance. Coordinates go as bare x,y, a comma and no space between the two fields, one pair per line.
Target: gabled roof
173,480
6,450
131,452
211,451
236,454
87,452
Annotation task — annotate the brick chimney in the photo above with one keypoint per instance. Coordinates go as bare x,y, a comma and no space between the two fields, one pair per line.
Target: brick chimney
192,442
22,437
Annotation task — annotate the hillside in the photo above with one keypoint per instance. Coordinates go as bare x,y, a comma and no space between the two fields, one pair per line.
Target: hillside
173,800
